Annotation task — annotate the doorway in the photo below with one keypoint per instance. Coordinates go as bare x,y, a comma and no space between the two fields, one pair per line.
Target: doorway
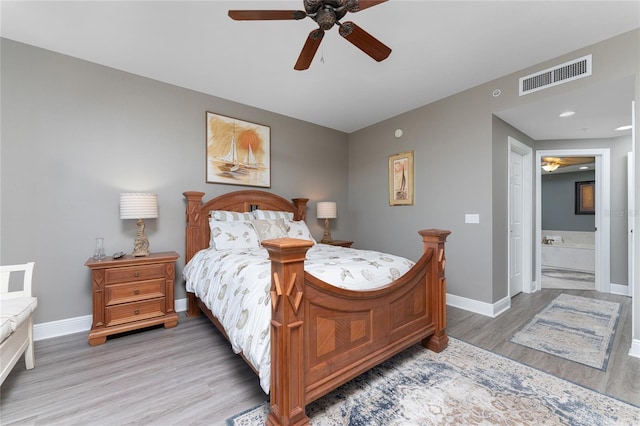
601,235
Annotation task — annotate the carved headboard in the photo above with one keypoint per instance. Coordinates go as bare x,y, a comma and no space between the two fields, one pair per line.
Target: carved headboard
197,233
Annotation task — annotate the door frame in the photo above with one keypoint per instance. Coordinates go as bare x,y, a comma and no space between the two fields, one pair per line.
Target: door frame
603,209
526,151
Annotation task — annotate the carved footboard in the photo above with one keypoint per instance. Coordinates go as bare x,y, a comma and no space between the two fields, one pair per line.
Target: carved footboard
323,336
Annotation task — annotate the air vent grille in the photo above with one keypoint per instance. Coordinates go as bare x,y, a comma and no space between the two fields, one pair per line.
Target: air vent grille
560,74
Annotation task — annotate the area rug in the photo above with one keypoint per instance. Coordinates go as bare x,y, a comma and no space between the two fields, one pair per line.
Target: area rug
575,328
463,385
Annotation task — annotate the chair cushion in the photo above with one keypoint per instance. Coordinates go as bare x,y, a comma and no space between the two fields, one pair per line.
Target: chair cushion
5,328
17,310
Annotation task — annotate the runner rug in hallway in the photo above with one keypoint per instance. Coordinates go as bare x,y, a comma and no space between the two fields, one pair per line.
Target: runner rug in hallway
577,328
462,385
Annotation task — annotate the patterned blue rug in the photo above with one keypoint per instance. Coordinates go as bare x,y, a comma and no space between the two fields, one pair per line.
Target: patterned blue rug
463,385
575,328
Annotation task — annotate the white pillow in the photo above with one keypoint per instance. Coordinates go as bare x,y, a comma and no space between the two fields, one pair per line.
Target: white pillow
233,235
298,229
229,216
270,214
269,229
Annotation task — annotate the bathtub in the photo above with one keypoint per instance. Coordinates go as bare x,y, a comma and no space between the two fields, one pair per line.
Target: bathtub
569,250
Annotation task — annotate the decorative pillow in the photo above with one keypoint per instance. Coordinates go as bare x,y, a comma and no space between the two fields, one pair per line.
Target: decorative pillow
298,229
229,216
233,235
268,229
269,214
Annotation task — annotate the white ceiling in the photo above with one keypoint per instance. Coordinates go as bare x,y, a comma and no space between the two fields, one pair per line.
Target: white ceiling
439,48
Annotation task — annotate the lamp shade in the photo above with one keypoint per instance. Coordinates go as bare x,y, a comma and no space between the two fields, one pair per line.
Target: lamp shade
138,206
326,210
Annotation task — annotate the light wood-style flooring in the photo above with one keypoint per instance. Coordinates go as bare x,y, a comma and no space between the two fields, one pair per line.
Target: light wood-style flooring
188,375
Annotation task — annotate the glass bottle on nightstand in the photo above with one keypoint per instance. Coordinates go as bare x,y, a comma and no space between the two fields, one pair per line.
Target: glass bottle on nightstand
98,253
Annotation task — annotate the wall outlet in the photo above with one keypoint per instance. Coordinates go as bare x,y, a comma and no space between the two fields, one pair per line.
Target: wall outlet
471,218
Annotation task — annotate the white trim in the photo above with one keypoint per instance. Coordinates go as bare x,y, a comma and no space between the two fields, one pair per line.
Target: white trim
622,290
47,330
603,210
180,305
527,236
477,307
634,350
50,329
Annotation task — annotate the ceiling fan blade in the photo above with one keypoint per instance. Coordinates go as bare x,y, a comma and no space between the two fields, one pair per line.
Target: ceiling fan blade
364,41
266,15
309,49
358,5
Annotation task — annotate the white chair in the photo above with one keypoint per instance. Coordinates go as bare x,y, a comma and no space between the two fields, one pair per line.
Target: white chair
16,323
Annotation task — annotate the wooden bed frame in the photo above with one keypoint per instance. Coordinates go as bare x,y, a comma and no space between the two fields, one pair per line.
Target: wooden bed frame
323,336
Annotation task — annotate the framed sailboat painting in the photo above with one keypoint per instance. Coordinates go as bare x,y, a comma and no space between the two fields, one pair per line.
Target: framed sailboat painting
401,179
238,151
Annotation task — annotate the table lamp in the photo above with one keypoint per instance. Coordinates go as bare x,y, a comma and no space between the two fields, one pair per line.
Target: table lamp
326,210
139,206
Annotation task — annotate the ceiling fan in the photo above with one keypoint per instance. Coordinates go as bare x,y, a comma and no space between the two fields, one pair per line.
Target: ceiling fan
326,13
550,164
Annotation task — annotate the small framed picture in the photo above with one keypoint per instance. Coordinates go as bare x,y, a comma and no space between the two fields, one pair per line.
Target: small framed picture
401,179
586,197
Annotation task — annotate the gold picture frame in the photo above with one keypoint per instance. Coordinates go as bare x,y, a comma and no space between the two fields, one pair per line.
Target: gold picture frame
401,179
586,197
238,151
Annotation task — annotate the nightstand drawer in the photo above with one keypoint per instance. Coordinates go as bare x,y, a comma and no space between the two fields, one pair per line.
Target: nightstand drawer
132,292
129,312
134,273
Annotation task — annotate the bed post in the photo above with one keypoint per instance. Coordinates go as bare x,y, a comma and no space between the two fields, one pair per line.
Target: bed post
193,243
301,207
287,332
435,239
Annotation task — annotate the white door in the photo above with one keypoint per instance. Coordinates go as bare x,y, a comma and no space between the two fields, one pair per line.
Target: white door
515,224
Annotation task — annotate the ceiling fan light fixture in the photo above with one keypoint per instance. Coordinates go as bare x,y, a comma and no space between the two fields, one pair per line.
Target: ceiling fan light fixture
326,18
550,167
312,6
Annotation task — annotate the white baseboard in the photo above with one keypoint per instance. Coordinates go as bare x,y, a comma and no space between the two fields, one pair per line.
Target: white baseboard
635,348
47,330
623,290
482,308
180,305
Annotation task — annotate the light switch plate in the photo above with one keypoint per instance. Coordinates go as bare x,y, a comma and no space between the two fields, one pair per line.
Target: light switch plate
471,218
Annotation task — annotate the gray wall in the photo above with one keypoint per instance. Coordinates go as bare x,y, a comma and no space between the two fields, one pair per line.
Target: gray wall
76,134
460,168
558,202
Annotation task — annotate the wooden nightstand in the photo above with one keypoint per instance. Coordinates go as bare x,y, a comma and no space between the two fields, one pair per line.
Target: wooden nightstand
341,243
132,293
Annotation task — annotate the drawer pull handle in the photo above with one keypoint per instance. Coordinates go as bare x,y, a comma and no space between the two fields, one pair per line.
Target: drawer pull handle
136,291
137,311
136,274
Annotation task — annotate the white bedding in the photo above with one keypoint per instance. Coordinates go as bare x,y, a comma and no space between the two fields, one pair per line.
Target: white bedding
235,284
